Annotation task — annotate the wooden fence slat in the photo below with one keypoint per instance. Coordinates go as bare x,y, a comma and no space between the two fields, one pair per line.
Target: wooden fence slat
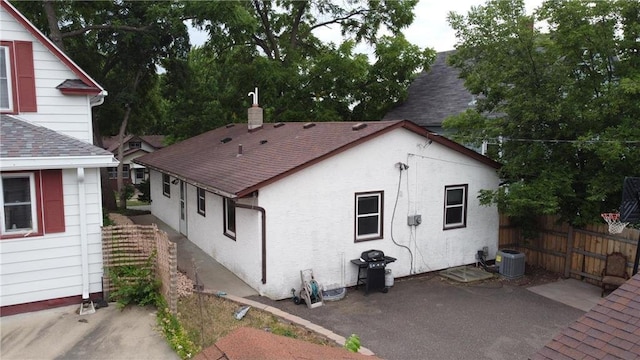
575,252
124,245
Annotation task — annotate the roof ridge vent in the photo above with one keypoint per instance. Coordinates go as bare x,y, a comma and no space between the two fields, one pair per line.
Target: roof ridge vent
225,140
308,125
278,124
359,126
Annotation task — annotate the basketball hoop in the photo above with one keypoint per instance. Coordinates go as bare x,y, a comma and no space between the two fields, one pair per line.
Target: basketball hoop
615,225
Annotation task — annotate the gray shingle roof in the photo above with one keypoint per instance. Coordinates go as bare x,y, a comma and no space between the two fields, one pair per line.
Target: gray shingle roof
211,160
434,95
21,139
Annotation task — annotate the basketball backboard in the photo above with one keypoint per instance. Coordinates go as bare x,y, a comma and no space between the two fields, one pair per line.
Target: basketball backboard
630,206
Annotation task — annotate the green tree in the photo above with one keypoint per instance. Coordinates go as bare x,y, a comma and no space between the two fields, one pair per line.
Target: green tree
120,44
562,106
273,45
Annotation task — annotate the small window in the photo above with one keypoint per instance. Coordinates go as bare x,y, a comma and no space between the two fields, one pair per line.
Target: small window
166,185
369,216
18,204
113,172
229,218
135,144
455,206
201,201
6,94
139,173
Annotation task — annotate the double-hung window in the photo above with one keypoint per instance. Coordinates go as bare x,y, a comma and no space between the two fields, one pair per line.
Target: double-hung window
455,206
113,172
202,202
18,200
369,215
166,185
17,77
6,98
32,203
229,210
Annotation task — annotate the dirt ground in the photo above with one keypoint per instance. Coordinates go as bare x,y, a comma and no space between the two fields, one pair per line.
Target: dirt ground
120,219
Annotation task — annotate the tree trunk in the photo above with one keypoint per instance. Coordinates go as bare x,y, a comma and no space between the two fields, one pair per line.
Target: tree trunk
121,132
123,128
52,19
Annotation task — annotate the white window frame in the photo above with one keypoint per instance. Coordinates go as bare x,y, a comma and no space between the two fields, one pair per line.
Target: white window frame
166,185
463,205
6,229
379,214
227,203
202,201
9,91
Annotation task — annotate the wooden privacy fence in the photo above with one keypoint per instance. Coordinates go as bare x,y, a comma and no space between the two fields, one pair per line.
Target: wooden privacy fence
124,245
578,253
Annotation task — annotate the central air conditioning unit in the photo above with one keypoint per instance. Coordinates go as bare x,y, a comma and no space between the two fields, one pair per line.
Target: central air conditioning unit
510,263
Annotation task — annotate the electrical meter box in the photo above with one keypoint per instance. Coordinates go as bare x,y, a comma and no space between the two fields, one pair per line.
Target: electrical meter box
414,220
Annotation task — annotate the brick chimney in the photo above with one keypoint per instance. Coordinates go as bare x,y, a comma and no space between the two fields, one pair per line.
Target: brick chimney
255,112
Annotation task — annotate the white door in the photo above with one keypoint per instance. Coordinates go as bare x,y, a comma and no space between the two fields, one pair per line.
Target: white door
183,208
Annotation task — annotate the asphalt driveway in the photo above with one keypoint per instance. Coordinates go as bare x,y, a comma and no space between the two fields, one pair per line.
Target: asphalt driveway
431,318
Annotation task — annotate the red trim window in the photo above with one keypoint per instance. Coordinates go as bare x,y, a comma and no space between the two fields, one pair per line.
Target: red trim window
17,77
32,203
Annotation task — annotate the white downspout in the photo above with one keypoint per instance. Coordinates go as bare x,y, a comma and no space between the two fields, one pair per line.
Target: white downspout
84,241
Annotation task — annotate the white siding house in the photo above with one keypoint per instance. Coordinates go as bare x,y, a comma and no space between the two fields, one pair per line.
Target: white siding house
317,195
50,194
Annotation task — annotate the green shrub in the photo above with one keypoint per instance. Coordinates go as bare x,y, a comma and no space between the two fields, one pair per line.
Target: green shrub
145,191
135,284
106,220
353,343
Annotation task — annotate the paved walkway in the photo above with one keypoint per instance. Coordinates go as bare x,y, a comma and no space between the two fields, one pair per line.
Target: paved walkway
575,293
192,259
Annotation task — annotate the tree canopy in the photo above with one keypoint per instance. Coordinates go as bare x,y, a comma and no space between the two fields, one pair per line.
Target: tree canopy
562,107
273,45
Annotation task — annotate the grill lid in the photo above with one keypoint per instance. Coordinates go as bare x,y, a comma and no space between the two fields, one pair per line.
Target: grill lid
372,255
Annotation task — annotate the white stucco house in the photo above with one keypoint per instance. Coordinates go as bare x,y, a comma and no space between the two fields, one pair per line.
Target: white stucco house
133,146
50,195
270,200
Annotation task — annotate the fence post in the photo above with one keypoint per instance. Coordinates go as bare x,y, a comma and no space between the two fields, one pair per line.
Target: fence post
569,255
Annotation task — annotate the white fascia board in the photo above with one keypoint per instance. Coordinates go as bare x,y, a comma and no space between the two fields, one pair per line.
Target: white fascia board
68,162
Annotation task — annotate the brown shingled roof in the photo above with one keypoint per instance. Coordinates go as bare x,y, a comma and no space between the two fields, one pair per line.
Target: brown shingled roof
248,343
111,142
212,160
611,330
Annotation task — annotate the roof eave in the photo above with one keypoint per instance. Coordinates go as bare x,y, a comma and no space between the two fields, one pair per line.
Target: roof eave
190,181
57,162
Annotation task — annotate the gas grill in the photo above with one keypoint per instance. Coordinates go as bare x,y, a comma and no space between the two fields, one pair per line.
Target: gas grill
371,270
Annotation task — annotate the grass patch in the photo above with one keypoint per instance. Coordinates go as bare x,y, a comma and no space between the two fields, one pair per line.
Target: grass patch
133,202
133,212
206,319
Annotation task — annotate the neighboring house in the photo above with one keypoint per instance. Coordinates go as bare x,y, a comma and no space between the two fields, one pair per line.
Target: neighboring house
433,96
611,330
132,147
50,236
270,200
